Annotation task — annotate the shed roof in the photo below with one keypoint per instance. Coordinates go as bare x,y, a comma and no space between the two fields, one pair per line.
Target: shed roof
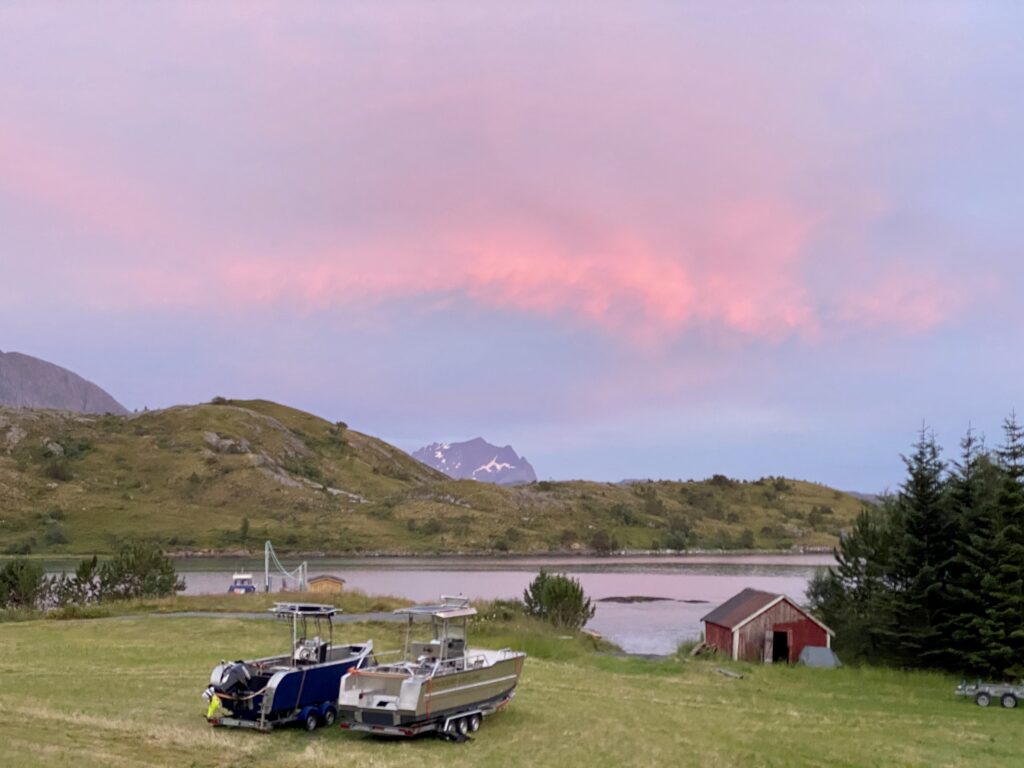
738,608
326,577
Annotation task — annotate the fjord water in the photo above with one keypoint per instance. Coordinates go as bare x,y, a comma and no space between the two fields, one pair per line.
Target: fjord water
689,585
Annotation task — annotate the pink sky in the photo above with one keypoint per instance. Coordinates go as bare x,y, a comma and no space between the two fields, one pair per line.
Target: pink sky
664,203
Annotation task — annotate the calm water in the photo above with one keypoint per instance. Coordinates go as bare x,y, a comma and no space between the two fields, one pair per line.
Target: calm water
650,627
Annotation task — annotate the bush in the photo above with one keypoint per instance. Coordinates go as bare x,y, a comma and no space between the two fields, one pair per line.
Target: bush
603,542
138,570
558,599
59,469
23,547
22,583
55,535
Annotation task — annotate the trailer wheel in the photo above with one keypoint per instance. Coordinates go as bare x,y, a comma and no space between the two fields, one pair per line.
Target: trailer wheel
474,723
330,715
462,725
982,699
311,722
1008,700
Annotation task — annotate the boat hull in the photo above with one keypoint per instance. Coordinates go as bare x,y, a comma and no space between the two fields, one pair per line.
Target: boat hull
415,701
287,694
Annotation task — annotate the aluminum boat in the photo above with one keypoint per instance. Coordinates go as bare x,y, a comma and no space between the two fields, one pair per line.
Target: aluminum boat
439,685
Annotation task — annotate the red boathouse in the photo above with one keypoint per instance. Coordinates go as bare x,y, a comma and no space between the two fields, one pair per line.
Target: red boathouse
761,626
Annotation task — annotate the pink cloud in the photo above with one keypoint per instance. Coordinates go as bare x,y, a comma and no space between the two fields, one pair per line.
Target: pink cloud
644,194
906,302
69,185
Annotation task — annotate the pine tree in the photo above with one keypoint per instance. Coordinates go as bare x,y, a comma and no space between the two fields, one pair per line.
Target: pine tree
853,596
1002,625
922,550
972,487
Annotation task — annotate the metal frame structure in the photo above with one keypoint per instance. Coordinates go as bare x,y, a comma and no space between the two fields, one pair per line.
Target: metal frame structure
300,573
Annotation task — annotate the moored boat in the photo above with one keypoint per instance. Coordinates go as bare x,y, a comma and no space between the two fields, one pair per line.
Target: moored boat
441,685
241,584
301,686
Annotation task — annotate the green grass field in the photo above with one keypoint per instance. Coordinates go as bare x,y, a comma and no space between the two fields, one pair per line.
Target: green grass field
125,691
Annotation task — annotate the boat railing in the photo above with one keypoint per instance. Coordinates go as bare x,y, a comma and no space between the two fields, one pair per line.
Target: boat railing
460,664
388,655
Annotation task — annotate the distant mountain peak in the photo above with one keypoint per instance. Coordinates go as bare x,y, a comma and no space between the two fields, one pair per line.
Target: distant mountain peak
28,382
477,459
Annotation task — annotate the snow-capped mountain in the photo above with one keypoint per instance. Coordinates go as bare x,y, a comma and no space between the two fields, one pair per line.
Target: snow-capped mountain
478,460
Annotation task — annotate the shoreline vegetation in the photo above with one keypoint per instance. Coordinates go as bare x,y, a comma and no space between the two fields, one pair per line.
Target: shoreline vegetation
220,478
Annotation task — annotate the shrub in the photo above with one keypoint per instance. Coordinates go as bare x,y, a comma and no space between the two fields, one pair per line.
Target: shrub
603,542
138,570
22,583
218,400
23,547
58,469
55,535
559,599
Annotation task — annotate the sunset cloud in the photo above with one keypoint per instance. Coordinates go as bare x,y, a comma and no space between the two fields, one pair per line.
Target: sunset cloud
624,220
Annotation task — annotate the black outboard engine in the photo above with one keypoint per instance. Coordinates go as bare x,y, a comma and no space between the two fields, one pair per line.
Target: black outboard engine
231,677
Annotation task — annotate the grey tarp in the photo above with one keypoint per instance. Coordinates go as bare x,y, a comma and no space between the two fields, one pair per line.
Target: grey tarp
818,656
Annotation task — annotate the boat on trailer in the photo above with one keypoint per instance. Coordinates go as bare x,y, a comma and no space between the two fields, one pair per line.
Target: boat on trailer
440,686
301,686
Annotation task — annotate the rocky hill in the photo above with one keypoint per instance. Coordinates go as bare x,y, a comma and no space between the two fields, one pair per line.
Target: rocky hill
28,382
224,476
478,460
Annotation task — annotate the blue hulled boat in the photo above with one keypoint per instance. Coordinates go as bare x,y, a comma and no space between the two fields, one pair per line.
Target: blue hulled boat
301,686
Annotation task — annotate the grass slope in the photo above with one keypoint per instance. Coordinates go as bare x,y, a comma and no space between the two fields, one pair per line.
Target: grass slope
190,476
125,692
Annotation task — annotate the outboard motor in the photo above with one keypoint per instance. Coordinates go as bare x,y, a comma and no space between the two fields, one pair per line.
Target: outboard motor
230,677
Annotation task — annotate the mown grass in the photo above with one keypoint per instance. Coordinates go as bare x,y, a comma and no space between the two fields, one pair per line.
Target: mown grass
125,692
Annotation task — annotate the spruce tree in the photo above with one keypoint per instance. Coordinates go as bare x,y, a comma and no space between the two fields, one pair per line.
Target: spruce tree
1002,624
852,596
972,487
922,550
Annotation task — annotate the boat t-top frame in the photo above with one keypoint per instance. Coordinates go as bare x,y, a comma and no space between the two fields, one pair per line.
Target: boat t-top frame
449,621
305,648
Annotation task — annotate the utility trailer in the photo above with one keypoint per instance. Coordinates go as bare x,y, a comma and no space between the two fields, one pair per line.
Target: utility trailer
453,726
1007,694
298,687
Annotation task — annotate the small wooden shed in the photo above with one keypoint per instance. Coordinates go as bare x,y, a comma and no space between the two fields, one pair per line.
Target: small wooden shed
325,583
763,627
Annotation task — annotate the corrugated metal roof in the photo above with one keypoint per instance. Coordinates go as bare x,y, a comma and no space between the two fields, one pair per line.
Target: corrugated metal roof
740,607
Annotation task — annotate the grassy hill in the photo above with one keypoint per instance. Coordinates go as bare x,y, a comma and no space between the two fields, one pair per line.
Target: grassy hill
224,476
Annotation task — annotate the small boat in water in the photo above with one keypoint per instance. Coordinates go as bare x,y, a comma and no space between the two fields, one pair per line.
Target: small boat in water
301,686
441,685
241,584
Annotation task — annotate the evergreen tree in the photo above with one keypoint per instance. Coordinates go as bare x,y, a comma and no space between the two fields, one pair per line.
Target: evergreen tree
1002,624
972,489
852,596
922,550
